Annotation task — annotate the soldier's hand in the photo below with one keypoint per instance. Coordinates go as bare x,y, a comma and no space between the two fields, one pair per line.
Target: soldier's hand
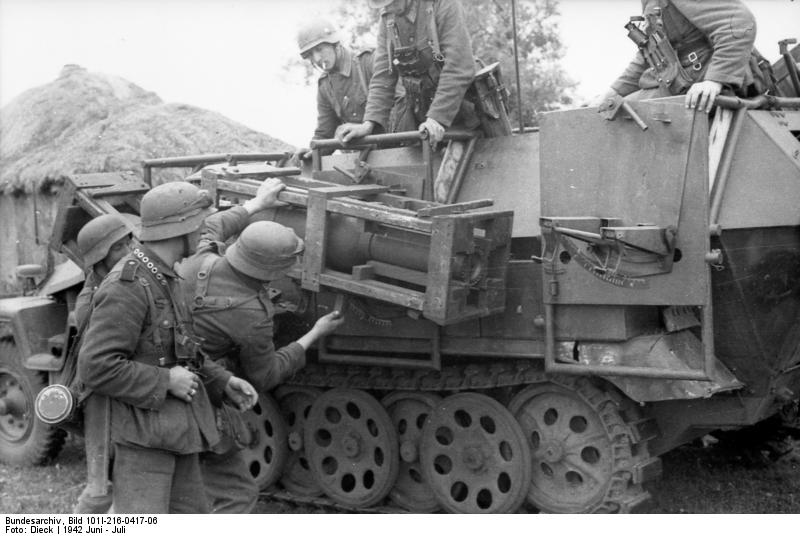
434,129
350,131
608,101
329,323
702,95
266,196
241,393
183,383
303,153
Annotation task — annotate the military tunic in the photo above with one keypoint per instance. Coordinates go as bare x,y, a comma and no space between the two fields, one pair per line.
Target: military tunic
452,81
713,40
342,94
156,435
233,314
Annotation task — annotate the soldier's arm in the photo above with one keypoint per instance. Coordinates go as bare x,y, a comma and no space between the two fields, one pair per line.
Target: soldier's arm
731,29
380,98
459,64
104,361
221,226
262,364
628,81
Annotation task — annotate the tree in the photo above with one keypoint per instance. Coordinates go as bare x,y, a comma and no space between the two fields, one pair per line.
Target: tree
545,85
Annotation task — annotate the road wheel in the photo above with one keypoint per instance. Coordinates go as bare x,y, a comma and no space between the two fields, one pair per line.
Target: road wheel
475,456
24,439
581,448
352,446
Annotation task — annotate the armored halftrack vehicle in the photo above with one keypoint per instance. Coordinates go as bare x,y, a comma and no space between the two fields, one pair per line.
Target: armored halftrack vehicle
529,319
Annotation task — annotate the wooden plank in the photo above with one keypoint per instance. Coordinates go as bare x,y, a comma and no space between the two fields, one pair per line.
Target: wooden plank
398,272
373,289
455,208
314,257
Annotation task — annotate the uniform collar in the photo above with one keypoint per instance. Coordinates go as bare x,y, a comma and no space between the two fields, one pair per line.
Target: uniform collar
345,62
157,262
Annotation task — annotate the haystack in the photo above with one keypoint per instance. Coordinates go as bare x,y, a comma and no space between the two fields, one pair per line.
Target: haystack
90,122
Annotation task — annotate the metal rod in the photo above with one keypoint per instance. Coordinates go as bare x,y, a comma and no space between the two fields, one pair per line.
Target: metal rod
761,101
394,138
194,160
516,64
724,169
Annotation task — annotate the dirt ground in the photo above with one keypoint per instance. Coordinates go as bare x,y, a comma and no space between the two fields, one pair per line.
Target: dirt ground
730,476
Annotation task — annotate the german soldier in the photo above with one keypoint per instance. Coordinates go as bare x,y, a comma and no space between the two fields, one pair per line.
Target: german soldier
690,47
101,244
425,45
139,352
232,313
342,86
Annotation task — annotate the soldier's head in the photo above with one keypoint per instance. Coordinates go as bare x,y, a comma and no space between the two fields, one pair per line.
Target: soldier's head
393,6
105,240
319,42
175,210
265,251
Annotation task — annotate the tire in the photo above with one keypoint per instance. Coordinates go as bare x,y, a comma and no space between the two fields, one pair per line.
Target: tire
24,439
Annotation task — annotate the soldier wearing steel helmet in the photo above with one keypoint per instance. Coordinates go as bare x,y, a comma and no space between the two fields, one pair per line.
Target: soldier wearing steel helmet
342,87
425,46
232,313
140,352
102,242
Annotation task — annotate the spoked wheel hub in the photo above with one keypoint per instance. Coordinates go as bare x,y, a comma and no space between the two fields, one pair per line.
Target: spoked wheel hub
409,411
475,456
352,446
295,404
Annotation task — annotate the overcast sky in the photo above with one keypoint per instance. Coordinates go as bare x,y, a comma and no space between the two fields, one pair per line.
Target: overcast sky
226,55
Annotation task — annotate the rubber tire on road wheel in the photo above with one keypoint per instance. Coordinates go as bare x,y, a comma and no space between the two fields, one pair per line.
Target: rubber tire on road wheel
24,439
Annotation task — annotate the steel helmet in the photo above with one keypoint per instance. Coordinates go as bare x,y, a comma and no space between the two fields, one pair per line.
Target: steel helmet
173,209
378,4
316,32
265,250
96,237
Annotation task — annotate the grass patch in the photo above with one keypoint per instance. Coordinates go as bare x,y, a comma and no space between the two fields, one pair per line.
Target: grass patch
45,489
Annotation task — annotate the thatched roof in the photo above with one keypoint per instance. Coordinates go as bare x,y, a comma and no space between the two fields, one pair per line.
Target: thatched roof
91,122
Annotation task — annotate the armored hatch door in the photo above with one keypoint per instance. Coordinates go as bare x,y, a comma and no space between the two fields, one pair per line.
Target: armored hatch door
625,210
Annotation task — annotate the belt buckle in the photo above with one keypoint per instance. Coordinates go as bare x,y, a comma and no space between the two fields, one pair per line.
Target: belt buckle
694,60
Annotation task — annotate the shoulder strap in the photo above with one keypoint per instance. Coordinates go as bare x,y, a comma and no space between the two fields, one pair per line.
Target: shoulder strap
433,33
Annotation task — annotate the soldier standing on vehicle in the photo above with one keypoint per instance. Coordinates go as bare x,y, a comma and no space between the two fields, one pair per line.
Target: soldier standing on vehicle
691,47
102,242
232,313
342,87
139,351
425,45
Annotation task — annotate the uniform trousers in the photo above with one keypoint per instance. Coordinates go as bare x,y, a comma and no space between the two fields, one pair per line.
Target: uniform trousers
230,487
153,481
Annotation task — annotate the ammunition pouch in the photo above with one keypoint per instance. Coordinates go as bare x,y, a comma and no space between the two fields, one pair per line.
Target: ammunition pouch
233,430
490,98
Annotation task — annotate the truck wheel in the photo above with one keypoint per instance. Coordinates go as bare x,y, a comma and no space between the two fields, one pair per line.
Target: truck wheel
24,439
